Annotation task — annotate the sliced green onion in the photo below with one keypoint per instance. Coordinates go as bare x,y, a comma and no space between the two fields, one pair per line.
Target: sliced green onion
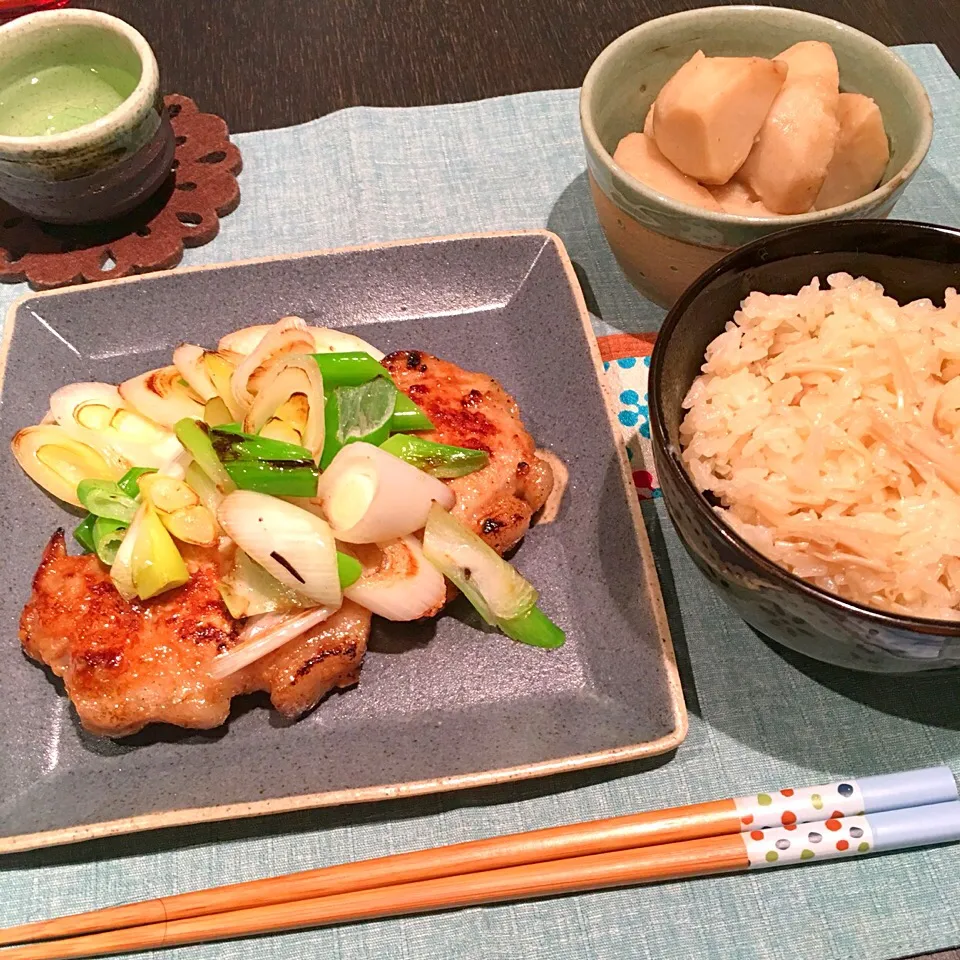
294,478
348,568
216,412
495,589
408,417
348,369
83,533
128,483
195,438
104,498
360,413
438,459
235,445
107,537
156,564
535,629
248,590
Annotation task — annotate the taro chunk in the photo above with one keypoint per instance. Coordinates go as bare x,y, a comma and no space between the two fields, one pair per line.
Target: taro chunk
638,155
709,113
862,152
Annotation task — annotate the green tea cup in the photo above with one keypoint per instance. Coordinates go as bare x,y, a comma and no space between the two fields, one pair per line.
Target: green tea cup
84,136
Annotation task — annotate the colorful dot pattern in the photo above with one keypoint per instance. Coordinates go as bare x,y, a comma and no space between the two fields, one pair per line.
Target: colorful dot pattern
627,379
789,807
778,846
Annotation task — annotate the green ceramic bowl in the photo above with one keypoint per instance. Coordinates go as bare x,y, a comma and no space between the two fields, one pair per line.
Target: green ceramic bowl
662,245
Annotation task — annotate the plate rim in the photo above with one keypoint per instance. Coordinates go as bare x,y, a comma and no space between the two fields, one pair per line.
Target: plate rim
650,582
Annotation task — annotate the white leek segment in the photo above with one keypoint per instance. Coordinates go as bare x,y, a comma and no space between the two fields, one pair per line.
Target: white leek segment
292,545
101,408
370,496
287,337
121,573
491,584
179,508
264,635
220,368
203,487
159,395
248,590
58,460
245,340
398,583
325,340
289,405
188,358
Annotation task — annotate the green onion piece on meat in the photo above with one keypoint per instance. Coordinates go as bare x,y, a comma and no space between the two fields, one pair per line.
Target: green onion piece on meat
350,369
230,445
195,437
156,564
348,569
83,533
104,498
495,589
216,413
107,537
279,478
129,482
534,628
408,417
438,459
357,413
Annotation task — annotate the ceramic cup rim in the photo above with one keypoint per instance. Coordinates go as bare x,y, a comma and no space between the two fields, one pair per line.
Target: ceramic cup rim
125,114
859,207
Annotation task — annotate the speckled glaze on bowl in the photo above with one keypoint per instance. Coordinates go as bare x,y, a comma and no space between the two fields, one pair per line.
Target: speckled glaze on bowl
102,169
911,261
662,245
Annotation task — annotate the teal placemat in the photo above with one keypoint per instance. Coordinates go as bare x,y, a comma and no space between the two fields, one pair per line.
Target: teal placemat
758,718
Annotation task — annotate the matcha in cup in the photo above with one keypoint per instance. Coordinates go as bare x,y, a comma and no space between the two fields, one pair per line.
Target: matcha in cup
84,136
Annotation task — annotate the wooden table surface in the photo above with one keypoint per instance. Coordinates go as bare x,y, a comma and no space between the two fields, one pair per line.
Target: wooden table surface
270,63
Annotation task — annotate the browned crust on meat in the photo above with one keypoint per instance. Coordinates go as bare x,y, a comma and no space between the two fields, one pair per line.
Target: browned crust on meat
472,410
129,664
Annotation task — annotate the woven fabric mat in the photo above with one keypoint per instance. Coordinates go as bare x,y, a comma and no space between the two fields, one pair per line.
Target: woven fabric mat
759,717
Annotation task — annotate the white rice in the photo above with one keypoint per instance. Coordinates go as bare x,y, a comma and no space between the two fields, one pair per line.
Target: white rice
827,423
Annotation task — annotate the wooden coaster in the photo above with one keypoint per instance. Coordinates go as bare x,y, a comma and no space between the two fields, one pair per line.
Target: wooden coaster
184,212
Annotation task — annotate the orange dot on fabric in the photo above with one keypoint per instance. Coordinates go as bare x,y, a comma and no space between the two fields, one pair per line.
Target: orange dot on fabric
843,845
838,814
833,824
788,817
747,820
756,834
788,792
789,826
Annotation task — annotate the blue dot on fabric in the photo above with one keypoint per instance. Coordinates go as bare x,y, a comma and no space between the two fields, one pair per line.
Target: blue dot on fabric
606,364
629,396
628,418
646,362
645,426
627,363
845,790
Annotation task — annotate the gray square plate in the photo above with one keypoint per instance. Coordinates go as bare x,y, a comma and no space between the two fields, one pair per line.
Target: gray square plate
440,705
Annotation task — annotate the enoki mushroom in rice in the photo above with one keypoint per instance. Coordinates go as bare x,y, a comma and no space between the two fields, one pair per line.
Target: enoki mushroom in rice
827,424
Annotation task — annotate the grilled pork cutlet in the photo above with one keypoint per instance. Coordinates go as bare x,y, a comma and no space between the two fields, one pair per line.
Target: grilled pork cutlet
126,665
473,410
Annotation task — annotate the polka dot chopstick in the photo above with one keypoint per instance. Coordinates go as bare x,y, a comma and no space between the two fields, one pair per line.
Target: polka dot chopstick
788,826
